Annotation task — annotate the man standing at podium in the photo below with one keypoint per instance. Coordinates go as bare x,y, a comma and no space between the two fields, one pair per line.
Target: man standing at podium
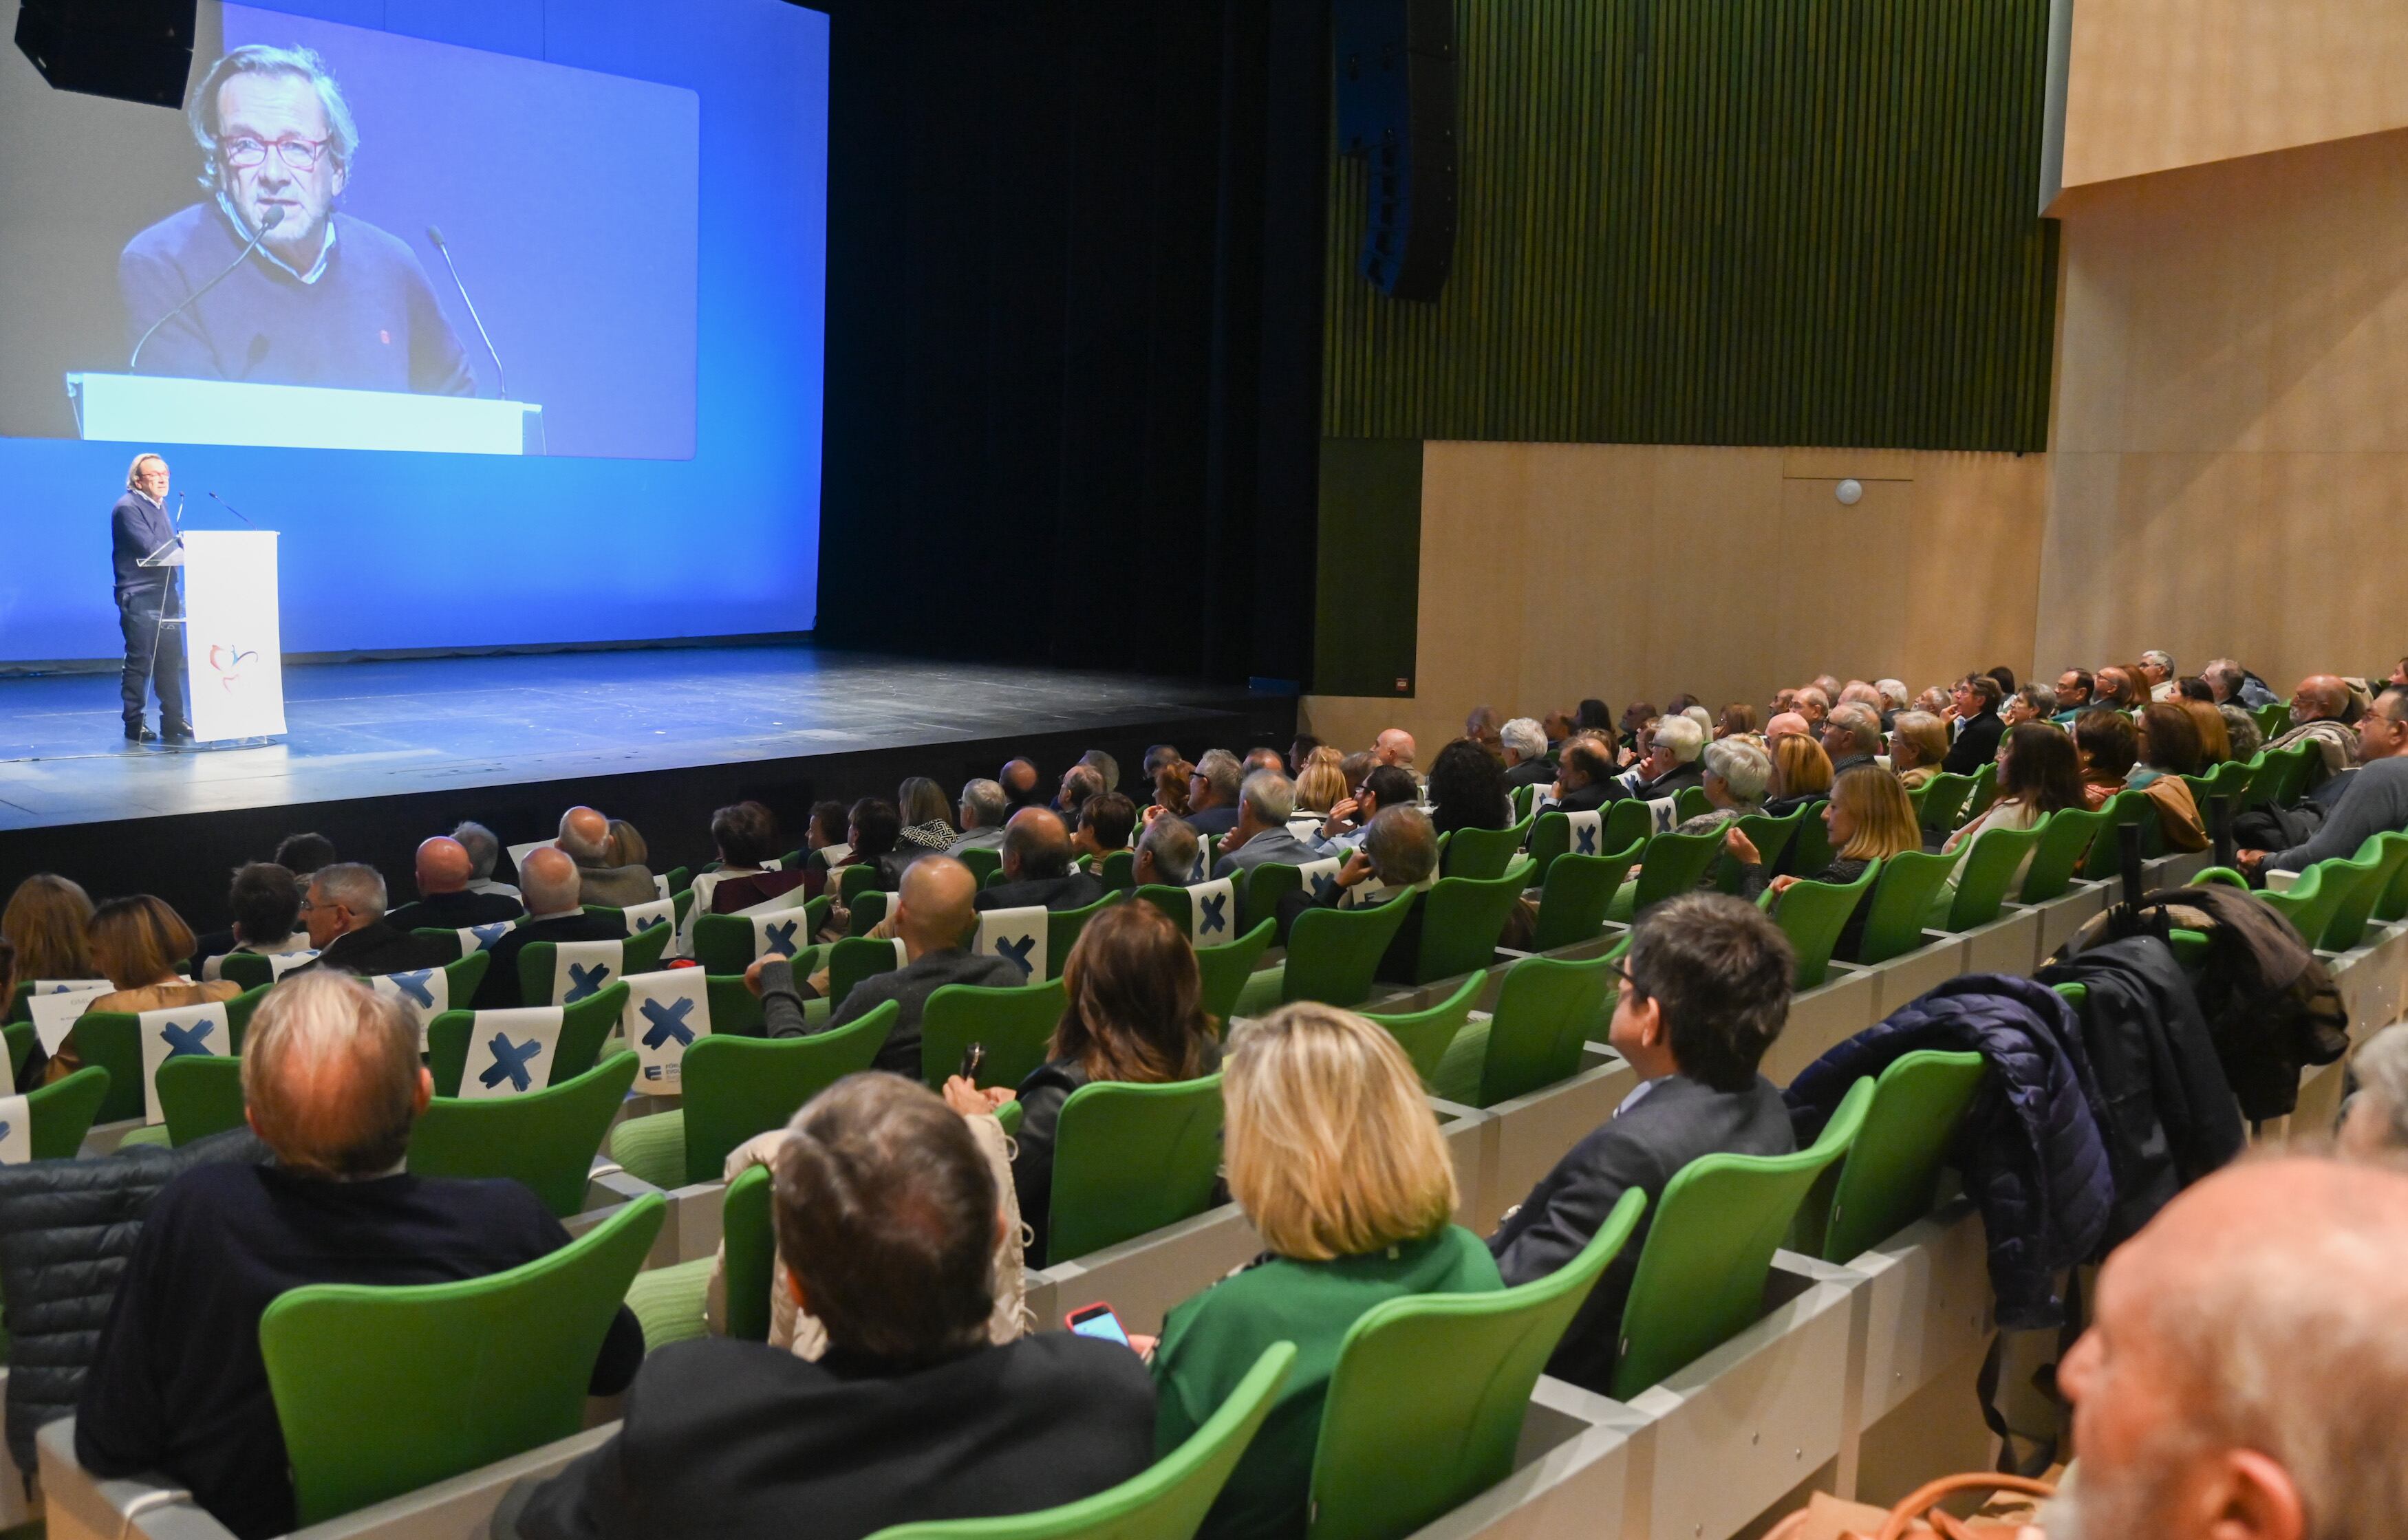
140,527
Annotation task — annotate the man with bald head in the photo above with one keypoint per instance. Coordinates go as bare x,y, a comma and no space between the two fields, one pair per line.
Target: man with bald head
586,834
555,892
933,917
2245,1377
445,900
332,1082
2321,714
1394,747
1036,868
1787,724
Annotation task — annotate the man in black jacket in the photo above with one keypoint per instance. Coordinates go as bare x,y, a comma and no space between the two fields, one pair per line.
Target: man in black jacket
1975,700
1584,779
445,901
1704,990
138,527
912,1416
345,912
550,882
333,1083
1036,868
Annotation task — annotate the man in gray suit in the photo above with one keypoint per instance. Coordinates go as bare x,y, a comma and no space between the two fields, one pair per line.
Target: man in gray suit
1704,991
1265,804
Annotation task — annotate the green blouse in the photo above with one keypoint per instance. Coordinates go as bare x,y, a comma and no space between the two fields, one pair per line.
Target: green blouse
1210,1340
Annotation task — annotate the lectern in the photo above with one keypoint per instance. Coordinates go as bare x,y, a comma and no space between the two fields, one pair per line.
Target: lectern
233,652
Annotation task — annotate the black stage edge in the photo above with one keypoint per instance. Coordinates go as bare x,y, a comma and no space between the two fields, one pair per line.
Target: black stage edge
382,755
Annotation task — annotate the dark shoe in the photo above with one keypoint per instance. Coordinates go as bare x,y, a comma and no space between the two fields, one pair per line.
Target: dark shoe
179,733
136,733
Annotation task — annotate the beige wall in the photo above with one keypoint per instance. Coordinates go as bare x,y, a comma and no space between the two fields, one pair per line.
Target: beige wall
1554,571
2156,84
2230,464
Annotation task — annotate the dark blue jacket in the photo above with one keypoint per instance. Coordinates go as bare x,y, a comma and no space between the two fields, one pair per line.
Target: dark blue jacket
136,527
2032,1151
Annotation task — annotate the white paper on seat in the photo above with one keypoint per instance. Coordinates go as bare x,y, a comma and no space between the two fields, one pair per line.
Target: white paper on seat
666,1012
778,932
519,852
660,911
281,964
1587,833
793,898
1212,912
509,1052
1018,936
425,992
1203,861
661,886
1662,815
16,1129
582,968
54,1016
1318,878
70,986
481,938
774,863
2280,882
172,1035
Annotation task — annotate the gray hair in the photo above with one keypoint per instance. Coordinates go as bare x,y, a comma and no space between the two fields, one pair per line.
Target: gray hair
2382,1070
1860,722
984,800
201,108
1403,844
1271,796
133,470
351,1124
579,847
1172,840
482,847
1703,717
1741,765
1678,737
1524,736
1893,693
2227,672
2241,727
2041,698
2159,659
353,885
1221,771
1104,766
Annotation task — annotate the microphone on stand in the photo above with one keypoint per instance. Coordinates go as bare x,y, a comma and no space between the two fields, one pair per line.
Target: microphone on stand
231,508
501,375
274,217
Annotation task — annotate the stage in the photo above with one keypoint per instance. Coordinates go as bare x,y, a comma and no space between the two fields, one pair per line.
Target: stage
380,754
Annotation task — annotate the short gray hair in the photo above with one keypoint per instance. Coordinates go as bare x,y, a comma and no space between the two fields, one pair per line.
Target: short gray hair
2159,658
2243,730
353,885
2041,698
1741,765
1403,844
2382,1070
1893,693
201,109
1271,796
1221,771
1104,766
1679,736
134,469
482,847
1172,840
353,1124
1524,736
1860,722
985,800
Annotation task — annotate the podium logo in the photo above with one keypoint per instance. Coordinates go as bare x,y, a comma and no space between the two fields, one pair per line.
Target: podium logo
228,663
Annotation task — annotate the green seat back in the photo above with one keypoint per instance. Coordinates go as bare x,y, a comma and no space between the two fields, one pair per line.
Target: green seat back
1576,894
1427,1400
2281,774
1626,818
2374,870
2106,854
1812,914
1770,835
2310,903
1891,1174
734,1010
1984,792
1944,801
983,861
1910,882
1462,919
1990,868
1690,801
1119,872
1812,845
1223,970
859,878
437,933
1260,890
1171,901
22,1041
238,1011
249,969
1131,1159
1546,1010
1168,1500
1423,1035
1480,853
2274,719
854,958
2392,903
546,1139
583,1028
681,879
112,1040
63,1112
1015,1022
723,944
1551,836
640,953
869,910
1062,928
748,1237
200,1095
737,1086
1673,864
1702,1274
382,1391
1333,954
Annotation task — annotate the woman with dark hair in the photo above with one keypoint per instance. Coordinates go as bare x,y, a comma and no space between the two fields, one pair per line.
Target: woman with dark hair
45,924
746,835
1133,1011
1170,788
1594,716
2169,750
1738,720
2038,773
2108,748
1467,788
2215,736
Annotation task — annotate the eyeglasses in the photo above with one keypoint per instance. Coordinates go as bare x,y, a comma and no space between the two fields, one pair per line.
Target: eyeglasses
299,154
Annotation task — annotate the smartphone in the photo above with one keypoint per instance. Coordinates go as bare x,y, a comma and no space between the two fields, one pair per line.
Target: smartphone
973,1056
1097,1320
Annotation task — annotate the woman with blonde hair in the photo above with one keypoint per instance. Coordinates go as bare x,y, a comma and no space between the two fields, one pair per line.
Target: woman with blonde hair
138,944
1336,1158
1869,818
2214,738
44,924
1918,741
927,817
1322,784
1801,773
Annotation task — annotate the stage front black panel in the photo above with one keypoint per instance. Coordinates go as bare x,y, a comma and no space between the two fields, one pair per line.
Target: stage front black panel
134,51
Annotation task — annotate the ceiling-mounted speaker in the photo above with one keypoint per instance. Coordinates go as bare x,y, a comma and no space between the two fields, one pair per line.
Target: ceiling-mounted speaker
135,50
1395,89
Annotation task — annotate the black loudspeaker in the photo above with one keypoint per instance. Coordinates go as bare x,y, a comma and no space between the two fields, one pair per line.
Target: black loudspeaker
1396,64
135,51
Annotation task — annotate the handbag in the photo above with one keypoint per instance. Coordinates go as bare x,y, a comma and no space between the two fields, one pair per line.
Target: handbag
1827,1518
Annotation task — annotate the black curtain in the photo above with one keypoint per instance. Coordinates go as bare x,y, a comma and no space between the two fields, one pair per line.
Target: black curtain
1074,318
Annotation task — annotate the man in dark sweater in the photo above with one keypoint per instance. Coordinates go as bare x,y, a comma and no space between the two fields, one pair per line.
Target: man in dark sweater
1036,868
911,1416
138,527
444,899
332,1082
325,299
934,918
345,912
1704,990
551,883
2373,800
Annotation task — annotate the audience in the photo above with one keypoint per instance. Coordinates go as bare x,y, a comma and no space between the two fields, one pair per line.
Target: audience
2167,745
332,1083
1336,1159
586,834
1019,778
1105,824
1801,774
1786,724
2074,688
1132,1012
1400,852
1321,785
2038,773
1918,744
924,816
1852,735
2108,748
484,852
444,870
1167,853
1525,745
1264,757
983,810
1704,991
1467,788
1213,792
2375,799
2117,689
45,925
138,944
1736,773
345,911
1671,766
626,847
1106,766
1394,747
2242,736
1868,819
1036,868
745,836
2234,685
1813,703
873,830
1974,704
2321,714
1170,783
1083,782
552,883
1261,836
1385,787
302,854
1304,749
1585,778
265,903
2031,702
2158,673
1738,720
826,841
2214,738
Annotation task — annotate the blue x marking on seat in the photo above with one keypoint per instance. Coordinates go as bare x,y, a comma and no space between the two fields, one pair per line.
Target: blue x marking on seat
1016,953
414,985
584,982
1323,886
1216,914
183,1040
1588,839
4,1129
487,935
510,1060
781,937
669,1021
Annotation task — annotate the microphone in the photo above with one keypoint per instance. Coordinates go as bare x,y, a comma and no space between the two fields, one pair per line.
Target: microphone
502,374
231,508
274,217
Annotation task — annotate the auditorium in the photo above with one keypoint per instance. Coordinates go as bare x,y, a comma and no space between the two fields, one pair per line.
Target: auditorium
1659,738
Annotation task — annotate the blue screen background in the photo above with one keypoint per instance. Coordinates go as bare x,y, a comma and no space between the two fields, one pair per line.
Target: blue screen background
397,551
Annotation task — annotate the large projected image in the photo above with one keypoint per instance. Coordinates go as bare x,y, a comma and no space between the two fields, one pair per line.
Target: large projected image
383,243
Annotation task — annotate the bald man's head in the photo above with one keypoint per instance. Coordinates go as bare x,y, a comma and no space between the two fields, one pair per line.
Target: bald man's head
330,1076
1395,747
1787,724
549,882
1036,845
584,834
937,907
443,867
2246,1366
2321,697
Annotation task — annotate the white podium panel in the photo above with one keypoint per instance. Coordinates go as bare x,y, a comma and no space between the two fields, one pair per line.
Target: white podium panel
234,651
153,410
